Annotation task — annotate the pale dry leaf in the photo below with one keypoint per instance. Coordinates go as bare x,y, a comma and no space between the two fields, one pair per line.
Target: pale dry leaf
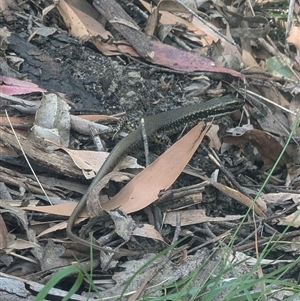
124,224
248,59
63,225
52,256
292,220
173,6
98,117
48,9
91,161
147,231
215,142
81,24
230,49
251,261
3,233
21,244
170,273
44,31
294,37
293,176
151,24
294,106
88,161
196,27
280,198
52,122
196,216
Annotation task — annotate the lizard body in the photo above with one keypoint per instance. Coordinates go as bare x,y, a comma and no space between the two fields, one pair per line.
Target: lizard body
169,122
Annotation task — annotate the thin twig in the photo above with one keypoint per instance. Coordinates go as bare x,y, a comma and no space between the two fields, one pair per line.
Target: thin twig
25,156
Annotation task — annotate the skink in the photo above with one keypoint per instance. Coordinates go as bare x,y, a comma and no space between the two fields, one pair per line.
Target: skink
169,122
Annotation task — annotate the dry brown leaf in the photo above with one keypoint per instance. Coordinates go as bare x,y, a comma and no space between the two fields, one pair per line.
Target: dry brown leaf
21,244
7,151
247,56
61,209
294,106
259,206
3,233
81,24
160,175
230,49
109,49
280,198
62,225
88,161
294,37
97,118
115,49
265,143
152,22
147,231
215,142
196,27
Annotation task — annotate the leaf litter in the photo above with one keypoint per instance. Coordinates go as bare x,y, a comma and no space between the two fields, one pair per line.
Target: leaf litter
228,52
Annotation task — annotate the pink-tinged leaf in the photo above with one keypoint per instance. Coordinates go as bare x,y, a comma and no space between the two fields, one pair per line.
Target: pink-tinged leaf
181,60
15,90
13,86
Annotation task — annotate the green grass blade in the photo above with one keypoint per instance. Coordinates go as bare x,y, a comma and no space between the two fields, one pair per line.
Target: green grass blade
54,280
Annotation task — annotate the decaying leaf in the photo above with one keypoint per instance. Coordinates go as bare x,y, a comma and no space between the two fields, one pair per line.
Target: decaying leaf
265,143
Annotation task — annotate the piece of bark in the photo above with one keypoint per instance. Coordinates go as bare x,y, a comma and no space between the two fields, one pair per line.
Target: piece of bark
56,161
123,23
16,179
